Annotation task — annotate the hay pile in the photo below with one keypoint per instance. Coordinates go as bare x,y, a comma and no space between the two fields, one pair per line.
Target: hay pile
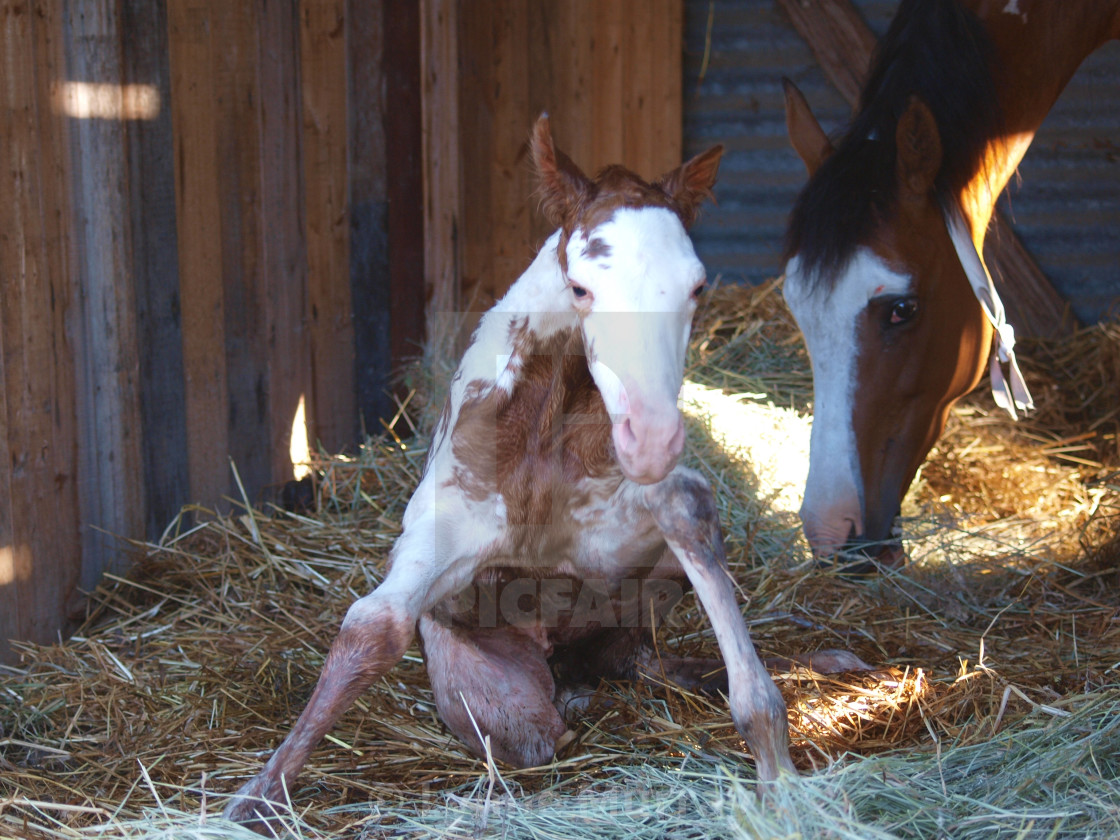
995,712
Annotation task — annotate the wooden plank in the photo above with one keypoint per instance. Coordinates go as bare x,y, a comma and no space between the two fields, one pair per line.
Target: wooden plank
155,267
18,277
543,86
574,90
664,122
843,44
839,39
196,127
111,491
476,139
508,168
40,554
606,123
370,286
650,58
404,183
637,75
440,91
333,407
245,290
282,284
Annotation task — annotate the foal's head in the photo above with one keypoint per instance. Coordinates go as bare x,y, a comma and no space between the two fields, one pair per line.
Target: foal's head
873,276
633,279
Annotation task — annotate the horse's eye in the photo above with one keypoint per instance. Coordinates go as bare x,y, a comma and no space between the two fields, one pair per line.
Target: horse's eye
699,290
903,310
578,291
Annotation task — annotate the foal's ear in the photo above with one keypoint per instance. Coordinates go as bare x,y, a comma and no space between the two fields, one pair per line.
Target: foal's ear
919,150
561,183
692,182
805,133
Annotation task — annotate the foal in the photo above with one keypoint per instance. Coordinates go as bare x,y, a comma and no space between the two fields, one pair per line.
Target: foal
552,520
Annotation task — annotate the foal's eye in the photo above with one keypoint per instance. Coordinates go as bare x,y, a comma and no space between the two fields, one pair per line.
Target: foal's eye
903,310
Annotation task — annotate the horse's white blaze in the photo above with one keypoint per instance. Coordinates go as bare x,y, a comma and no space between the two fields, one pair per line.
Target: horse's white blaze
833,505
637,329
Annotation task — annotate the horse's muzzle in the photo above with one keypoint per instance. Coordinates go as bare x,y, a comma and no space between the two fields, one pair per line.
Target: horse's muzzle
863,558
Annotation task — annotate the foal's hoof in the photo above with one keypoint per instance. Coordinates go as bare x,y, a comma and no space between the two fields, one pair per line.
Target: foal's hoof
252,808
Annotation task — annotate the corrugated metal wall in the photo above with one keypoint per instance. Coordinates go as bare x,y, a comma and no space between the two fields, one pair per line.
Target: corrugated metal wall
1066,208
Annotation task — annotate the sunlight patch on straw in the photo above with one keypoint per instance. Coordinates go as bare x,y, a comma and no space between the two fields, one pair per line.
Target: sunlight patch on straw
773,441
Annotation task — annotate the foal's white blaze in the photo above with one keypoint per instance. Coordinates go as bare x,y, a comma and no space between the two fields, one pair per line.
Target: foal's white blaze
640,279
832,509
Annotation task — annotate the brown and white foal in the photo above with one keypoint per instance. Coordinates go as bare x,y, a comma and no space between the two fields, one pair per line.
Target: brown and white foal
553,521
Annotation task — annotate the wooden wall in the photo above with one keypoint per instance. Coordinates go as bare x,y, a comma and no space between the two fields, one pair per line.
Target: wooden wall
174,278
173,282
608,74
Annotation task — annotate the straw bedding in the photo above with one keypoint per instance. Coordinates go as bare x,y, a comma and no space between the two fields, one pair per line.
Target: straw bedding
993,712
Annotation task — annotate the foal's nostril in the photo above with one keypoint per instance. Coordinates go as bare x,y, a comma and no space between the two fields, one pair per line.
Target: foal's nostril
676,442
627,440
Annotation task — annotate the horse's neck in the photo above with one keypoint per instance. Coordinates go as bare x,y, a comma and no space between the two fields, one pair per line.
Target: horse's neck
1038,46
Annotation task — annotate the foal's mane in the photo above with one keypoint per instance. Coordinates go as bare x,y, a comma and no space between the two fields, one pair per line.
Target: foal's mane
939,51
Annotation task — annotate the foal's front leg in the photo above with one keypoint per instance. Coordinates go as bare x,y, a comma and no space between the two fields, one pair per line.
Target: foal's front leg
685,511
374,636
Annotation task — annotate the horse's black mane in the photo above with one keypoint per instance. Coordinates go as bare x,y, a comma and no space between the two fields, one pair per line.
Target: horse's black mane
938,50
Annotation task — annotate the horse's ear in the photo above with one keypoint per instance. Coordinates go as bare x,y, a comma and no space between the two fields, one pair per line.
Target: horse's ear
692,182
805,133
561,183
919,150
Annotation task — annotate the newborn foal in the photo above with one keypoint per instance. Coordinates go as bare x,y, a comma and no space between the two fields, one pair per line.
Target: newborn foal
553,524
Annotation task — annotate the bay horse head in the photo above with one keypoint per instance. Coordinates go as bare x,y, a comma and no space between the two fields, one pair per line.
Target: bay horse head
884,273
874,273
635,312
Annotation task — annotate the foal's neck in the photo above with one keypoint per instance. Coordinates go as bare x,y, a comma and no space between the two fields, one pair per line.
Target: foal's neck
1037,47
537,304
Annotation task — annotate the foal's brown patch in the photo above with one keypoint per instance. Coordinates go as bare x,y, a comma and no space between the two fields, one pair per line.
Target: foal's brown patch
597,249
536,442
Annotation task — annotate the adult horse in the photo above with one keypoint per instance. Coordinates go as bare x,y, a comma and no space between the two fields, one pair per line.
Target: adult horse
883,270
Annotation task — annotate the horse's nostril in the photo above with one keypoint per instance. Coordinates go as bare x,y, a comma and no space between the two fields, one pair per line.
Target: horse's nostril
861,557
627,440
676,443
